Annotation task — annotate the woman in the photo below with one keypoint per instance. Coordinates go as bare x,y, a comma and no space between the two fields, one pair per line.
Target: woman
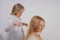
36,25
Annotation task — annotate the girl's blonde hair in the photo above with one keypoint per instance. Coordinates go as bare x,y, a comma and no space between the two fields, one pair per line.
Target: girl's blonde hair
34,23
16,8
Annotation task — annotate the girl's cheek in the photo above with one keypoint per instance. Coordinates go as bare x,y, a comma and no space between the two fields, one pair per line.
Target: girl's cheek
40,28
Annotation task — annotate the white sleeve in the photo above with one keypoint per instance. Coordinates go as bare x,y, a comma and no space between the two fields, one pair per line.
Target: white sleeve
9,23
1,38
11,19
8,29
32,38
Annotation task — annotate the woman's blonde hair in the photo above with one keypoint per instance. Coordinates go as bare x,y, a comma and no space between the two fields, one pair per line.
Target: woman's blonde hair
34,23
16,8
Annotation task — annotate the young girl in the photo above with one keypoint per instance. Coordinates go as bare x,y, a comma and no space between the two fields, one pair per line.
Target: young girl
36,25
15,30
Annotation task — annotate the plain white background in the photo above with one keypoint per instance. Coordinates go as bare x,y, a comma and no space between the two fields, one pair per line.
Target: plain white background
48,9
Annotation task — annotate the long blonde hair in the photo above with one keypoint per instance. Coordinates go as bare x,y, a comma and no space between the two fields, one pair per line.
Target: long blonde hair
34,23
16,8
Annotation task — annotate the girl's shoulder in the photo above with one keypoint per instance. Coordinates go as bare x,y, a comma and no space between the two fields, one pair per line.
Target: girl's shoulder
12,17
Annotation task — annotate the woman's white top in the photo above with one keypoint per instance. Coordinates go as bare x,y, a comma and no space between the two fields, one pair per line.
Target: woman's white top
14,32
34,36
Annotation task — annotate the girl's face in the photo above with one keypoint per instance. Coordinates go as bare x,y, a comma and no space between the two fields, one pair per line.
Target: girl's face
19,13
41,26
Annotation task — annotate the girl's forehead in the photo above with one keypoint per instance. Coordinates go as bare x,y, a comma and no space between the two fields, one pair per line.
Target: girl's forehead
21,10
41,22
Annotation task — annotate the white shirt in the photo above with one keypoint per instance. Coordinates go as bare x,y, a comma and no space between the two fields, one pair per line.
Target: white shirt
14,32
32,37
1,38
